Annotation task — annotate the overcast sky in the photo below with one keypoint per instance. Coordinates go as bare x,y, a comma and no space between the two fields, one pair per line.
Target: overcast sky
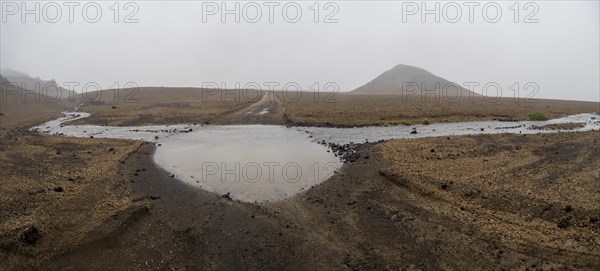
552,44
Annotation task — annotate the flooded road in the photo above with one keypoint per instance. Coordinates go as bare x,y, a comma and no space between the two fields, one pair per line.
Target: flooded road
257,163
252,163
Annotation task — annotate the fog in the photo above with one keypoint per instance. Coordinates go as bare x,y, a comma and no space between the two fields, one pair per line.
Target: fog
552,44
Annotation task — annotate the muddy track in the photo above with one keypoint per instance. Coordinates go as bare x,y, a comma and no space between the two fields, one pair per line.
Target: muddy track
267,110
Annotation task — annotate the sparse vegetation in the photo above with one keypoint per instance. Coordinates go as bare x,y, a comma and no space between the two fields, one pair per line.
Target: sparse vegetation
406,123
537,116
426,122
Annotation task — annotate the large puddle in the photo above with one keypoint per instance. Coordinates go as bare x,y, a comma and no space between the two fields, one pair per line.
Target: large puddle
256,163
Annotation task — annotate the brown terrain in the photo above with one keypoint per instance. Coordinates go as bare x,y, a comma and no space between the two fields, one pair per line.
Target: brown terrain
343,109
156,105
193,105
456,203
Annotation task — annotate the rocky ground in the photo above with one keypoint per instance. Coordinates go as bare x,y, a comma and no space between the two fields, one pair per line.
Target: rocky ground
54,191
499,201
470,202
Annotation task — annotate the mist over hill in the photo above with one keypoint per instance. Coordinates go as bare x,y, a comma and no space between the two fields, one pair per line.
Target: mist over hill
46,87
3,79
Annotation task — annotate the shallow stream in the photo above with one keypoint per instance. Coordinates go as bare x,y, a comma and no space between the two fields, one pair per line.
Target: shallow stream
255,163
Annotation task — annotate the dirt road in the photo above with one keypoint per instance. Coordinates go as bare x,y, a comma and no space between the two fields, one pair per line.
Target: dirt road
268,110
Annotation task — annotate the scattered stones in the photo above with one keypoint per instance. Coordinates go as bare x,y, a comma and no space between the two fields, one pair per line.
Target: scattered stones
564,223
414,131
30,235
145,197
445,186
314,200
569,208
156,137
505,119
75,178
114,107
111,149
346,152
41,190
227,196
58,189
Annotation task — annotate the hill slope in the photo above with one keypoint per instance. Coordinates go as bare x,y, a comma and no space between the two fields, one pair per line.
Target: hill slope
49,88
405,79
19,105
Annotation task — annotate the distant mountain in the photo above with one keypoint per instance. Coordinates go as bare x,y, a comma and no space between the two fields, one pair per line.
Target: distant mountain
410,80
19,105
47,87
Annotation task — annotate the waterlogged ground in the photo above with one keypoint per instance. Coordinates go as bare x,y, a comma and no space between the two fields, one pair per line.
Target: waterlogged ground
255,163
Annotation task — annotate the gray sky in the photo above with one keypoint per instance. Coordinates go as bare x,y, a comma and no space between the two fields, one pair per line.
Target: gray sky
173,45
